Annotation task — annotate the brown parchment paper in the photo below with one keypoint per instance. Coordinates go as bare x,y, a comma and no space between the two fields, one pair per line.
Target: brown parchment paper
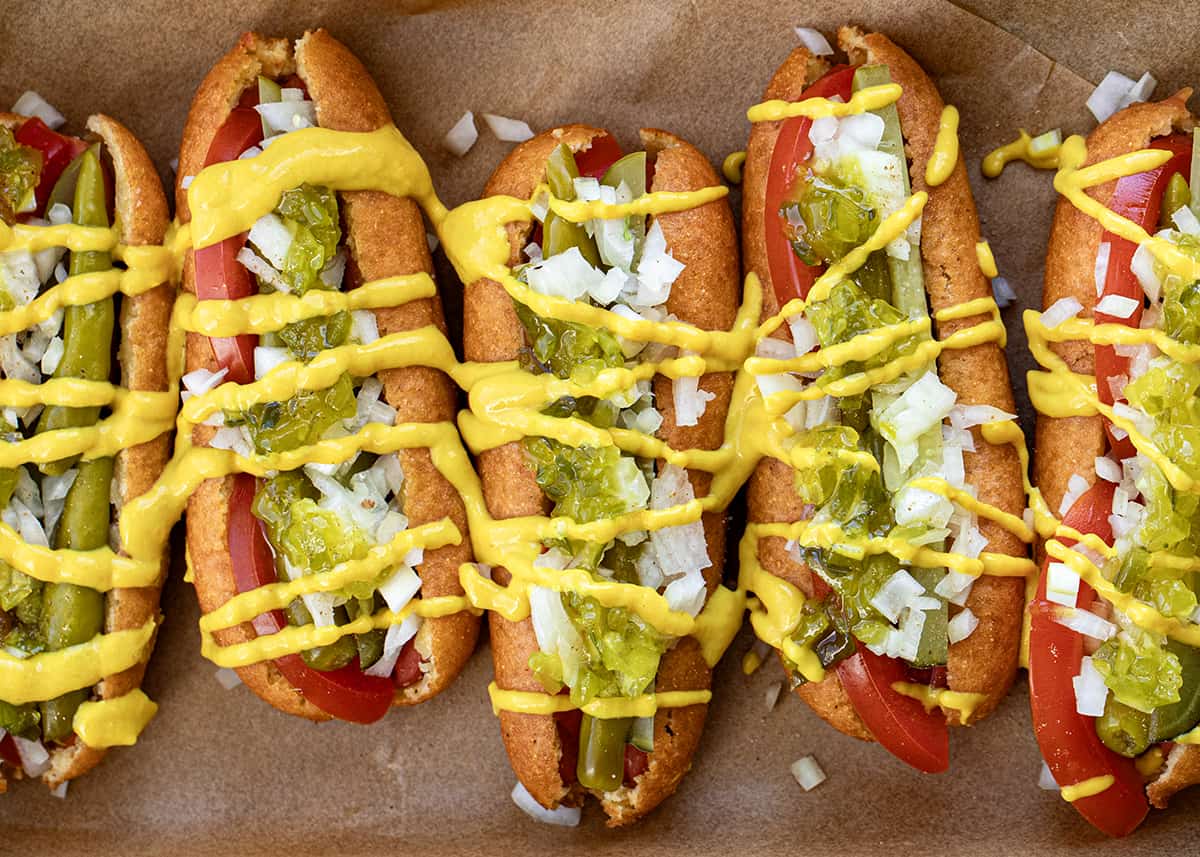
218,772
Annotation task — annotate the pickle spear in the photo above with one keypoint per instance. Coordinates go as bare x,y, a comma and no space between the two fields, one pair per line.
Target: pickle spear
560,235
602,752
74,614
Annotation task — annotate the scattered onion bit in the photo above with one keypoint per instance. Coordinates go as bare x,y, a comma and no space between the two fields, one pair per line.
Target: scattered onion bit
808,773
563,816
462,136
508,130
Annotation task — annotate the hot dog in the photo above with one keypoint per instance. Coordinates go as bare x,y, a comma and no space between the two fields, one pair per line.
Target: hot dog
313,512
1113,665
678,265
900,468
67,586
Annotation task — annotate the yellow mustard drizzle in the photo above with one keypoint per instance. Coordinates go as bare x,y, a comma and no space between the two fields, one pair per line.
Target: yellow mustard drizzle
776,606
945,148
1088,788
134,417
1018,150
1058,392
731,167
114,722
987,262
934,697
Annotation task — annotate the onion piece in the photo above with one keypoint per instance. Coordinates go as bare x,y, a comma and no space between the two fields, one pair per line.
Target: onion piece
364,326
1106,98
1085,622
272,238
812,39
563,816
1062,584
895,593
508,130
962,625
1046,779
1185,220
393,643
1045,142
32,104
1118,306
1003,292
200,381
1107,469
267,358
690,401
35,759
1101,269
772,694
1140,91
462,136
1090,689
1061,310
285,116
807,773
227,678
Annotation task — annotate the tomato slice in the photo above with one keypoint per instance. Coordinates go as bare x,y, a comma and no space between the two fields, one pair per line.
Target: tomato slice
791,277
345,693
58,150
1139,198
9,752
218,272
1068,739
900,723
602,154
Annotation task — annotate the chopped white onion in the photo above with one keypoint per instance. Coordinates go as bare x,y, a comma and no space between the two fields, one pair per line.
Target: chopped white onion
816,43
52,356
1003,292
1090,689
1106,98
334,271
227,678
895,594
400,588
35,760
1101,269
393,643
365,326
1086,623
32,104
968,416
657,270
60,791
1045,142
772,694
1142,266
563,816
1076,485
460,138
962,625
1107,469
565,275
285,116
1118,306
807,773
272,238
1140,91
1185,220
200,381
1062,584
508,130
1046,779
1061,310
804,335
690,401
267,358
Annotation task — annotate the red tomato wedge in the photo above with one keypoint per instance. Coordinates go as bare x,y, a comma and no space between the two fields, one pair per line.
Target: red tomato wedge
790,276
602,154
1138,198
58,150
219,275
1068,739
900,723
345,693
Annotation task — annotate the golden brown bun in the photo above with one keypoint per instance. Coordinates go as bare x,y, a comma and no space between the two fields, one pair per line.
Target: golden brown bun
141,209
1070,446
386,237
986,661
705,294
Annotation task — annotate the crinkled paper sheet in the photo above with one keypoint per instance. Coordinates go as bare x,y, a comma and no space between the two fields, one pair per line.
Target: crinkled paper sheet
220,772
